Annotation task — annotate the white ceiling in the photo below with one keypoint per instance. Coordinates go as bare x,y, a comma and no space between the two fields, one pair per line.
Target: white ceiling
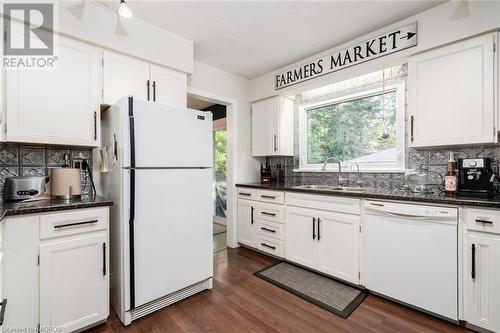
251,38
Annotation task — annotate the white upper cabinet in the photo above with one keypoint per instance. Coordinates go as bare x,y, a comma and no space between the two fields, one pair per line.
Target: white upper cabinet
124,76
272,127
452,93
168,86
56,106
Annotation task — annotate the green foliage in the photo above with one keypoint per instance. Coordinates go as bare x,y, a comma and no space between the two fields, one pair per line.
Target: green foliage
351,129
220,155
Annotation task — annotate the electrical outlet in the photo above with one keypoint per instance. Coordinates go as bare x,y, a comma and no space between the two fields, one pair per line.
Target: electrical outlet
78,163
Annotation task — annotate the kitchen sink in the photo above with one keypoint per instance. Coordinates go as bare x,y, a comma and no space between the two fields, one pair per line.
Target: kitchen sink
331,188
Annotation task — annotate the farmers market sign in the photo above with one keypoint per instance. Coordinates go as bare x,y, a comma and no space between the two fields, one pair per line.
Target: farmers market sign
379,46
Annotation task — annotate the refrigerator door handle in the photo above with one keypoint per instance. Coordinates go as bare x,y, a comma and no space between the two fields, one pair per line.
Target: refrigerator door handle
132,201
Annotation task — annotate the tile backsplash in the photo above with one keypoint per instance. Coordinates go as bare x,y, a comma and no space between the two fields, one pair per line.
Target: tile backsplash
434,159
24,160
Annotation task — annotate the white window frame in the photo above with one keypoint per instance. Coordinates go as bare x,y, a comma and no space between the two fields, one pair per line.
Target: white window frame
397,166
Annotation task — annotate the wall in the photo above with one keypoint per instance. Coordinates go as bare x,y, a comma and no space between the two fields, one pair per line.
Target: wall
220,86
32,160
440,25
97,24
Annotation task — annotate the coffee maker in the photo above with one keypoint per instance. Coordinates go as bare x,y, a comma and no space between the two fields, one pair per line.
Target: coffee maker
475,178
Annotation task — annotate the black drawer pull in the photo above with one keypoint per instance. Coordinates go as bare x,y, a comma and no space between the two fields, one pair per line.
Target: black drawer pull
484,221
266,213
251,215
319,231
2,311
60,226
268,196
473,268
265,229
104,259
314,228
268,246
243,193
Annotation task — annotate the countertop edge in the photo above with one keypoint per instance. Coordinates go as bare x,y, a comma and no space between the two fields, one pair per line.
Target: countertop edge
454,201
14,211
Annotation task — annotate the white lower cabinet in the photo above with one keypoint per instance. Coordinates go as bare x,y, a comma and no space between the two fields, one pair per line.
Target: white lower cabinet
300,235
338,245
482,280
73,283
325,241
246,222
55,270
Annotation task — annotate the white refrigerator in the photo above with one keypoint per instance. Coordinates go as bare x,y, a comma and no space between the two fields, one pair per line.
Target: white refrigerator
160,180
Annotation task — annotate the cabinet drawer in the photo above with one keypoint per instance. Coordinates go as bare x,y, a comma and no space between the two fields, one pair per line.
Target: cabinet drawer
483,220
271,196
73,222
270,229
270,245
270,212
324,202
246,193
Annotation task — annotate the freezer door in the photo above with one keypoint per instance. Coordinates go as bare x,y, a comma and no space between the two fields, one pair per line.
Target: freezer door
172,231
168,136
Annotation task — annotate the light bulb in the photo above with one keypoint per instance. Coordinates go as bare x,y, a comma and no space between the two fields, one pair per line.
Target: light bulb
124,9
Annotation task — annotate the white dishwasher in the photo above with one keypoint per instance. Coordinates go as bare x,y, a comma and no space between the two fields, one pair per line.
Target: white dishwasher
411,255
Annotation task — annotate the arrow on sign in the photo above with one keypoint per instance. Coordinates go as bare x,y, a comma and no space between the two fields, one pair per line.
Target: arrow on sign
409,35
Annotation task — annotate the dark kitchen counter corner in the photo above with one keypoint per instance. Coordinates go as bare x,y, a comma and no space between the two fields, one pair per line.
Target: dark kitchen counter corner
385,194
50,205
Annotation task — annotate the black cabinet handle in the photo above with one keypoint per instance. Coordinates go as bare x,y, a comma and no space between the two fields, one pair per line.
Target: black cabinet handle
251,214
275,142
412,122
266,213
147,90
268,196
265,229
484,221
154,91
60,226
314,228
319,231
2,311
473,269
104,259
243,193
269,246
95,126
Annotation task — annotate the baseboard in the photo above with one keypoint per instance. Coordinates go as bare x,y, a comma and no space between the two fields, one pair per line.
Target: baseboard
128,316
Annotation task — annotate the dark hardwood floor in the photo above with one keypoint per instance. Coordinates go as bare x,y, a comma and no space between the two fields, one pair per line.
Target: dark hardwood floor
242,302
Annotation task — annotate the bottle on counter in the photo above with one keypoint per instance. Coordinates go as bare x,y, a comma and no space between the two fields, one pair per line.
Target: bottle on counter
450,182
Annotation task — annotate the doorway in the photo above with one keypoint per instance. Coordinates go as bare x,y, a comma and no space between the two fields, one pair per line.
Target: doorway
219,116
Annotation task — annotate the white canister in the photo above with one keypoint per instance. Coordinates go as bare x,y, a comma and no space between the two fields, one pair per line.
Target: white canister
66,183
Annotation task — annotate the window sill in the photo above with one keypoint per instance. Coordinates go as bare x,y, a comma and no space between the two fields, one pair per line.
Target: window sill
330,170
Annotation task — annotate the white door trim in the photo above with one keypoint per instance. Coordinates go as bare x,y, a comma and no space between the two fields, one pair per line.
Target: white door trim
231,128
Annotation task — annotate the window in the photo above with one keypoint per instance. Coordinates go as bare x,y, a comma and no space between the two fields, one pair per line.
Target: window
366,127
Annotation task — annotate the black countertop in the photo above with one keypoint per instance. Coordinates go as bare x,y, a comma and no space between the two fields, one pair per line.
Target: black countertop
384,194
50,205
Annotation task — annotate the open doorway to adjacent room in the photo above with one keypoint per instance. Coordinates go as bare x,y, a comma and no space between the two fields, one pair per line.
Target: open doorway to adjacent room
219,113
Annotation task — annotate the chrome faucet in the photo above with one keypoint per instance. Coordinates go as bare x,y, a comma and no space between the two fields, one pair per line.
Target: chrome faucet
359,181
341,180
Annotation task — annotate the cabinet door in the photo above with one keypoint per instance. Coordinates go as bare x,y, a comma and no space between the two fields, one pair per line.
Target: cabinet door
338,245
300,235
482,296
246,222
452,94
265,127
73,283
168,86
59,105
124,76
